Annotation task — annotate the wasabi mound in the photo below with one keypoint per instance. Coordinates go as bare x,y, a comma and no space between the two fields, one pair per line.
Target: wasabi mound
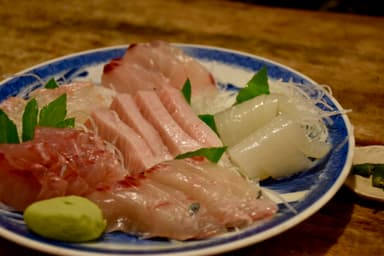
68,218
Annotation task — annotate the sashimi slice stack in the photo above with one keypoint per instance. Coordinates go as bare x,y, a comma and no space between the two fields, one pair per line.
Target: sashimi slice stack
182,199
150,127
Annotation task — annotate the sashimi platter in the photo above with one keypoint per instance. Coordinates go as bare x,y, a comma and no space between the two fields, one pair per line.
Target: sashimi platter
158,148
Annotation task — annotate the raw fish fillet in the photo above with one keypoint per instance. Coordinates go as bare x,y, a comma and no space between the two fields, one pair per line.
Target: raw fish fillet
174,137
182,199
182,113
144,207
156,61
136,153
82,97
126,77
128,112
57,162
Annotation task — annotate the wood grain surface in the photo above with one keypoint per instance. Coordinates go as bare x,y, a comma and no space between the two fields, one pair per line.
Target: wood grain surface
345,52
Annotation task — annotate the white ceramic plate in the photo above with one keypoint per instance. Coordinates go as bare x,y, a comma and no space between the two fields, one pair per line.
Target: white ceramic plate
307,192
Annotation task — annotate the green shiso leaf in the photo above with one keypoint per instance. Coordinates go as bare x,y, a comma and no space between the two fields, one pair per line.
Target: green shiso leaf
212,154
8,133
66,123
210,121
187,91
29,120
258,85
51,84
53,113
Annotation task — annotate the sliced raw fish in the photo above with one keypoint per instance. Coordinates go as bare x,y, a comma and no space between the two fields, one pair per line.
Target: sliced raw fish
224,193
82,97
148,208
161,60
173,63
128,112
174,137
127,77
182,113
189,199
136,153
56,162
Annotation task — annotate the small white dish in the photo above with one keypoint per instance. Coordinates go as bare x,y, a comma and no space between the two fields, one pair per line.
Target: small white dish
362,186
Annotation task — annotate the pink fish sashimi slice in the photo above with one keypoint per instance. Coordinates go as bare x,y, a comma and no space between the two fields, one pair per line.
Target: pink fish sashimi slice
173,63
157,57
137,155
144,64
177,106
173,136
231,199
149,209
129,113
130,77
56,162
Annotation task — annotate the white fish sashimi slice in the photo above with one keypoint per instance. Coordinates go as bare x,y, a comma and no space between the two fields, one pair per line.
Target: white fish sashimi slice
272,151
162,58
177,106
237,122
129,113
150,209
231,199
129,78
155,56
174,137
137,155
82,98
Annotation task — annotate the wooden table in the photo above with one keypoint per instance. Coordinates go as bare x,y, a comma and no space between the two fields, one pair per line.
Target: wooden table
345,52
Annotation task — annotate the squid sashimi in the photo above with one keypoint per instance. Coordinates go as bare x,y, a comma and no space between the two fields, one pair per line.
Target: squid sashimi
136,153
174,137
240,120
57,162
279,148
156,61
128,112
186,198
177,106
